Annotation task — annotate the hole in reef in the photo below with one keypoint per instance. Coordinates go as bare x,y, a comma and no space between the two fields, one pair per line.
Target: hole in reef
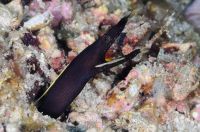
122,74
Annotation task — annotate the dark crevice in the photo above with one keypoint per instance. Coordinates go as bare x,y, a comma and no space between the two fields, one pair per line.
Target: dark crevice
5,1
121,76
154,50
4,127
62,40
26,2
65,115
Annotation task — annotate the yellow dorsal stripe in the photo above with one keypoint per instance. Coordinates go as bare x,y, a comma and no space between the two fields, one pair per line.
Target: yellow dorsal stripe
51,85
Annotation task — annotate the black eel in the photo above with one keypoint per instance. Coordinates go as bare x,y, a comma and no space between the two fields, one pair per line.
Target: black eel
85,66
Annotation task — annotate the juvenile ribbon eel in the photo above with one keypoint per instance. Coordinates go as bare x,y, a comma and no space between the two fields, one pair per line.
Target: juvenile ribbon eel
85,66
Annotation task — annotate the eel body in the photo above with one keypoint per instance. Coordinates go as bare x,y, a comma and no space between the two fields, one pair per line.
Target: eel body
73,79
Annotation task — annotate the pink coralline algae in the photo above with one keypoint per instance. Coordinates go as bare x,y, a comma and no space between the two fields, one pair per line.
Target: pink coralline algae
61,11
57,62
180,106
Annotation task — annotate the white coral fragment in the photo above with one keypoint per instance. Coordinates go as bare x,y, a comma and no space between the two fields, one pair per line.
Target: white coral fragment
5,18
39,21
